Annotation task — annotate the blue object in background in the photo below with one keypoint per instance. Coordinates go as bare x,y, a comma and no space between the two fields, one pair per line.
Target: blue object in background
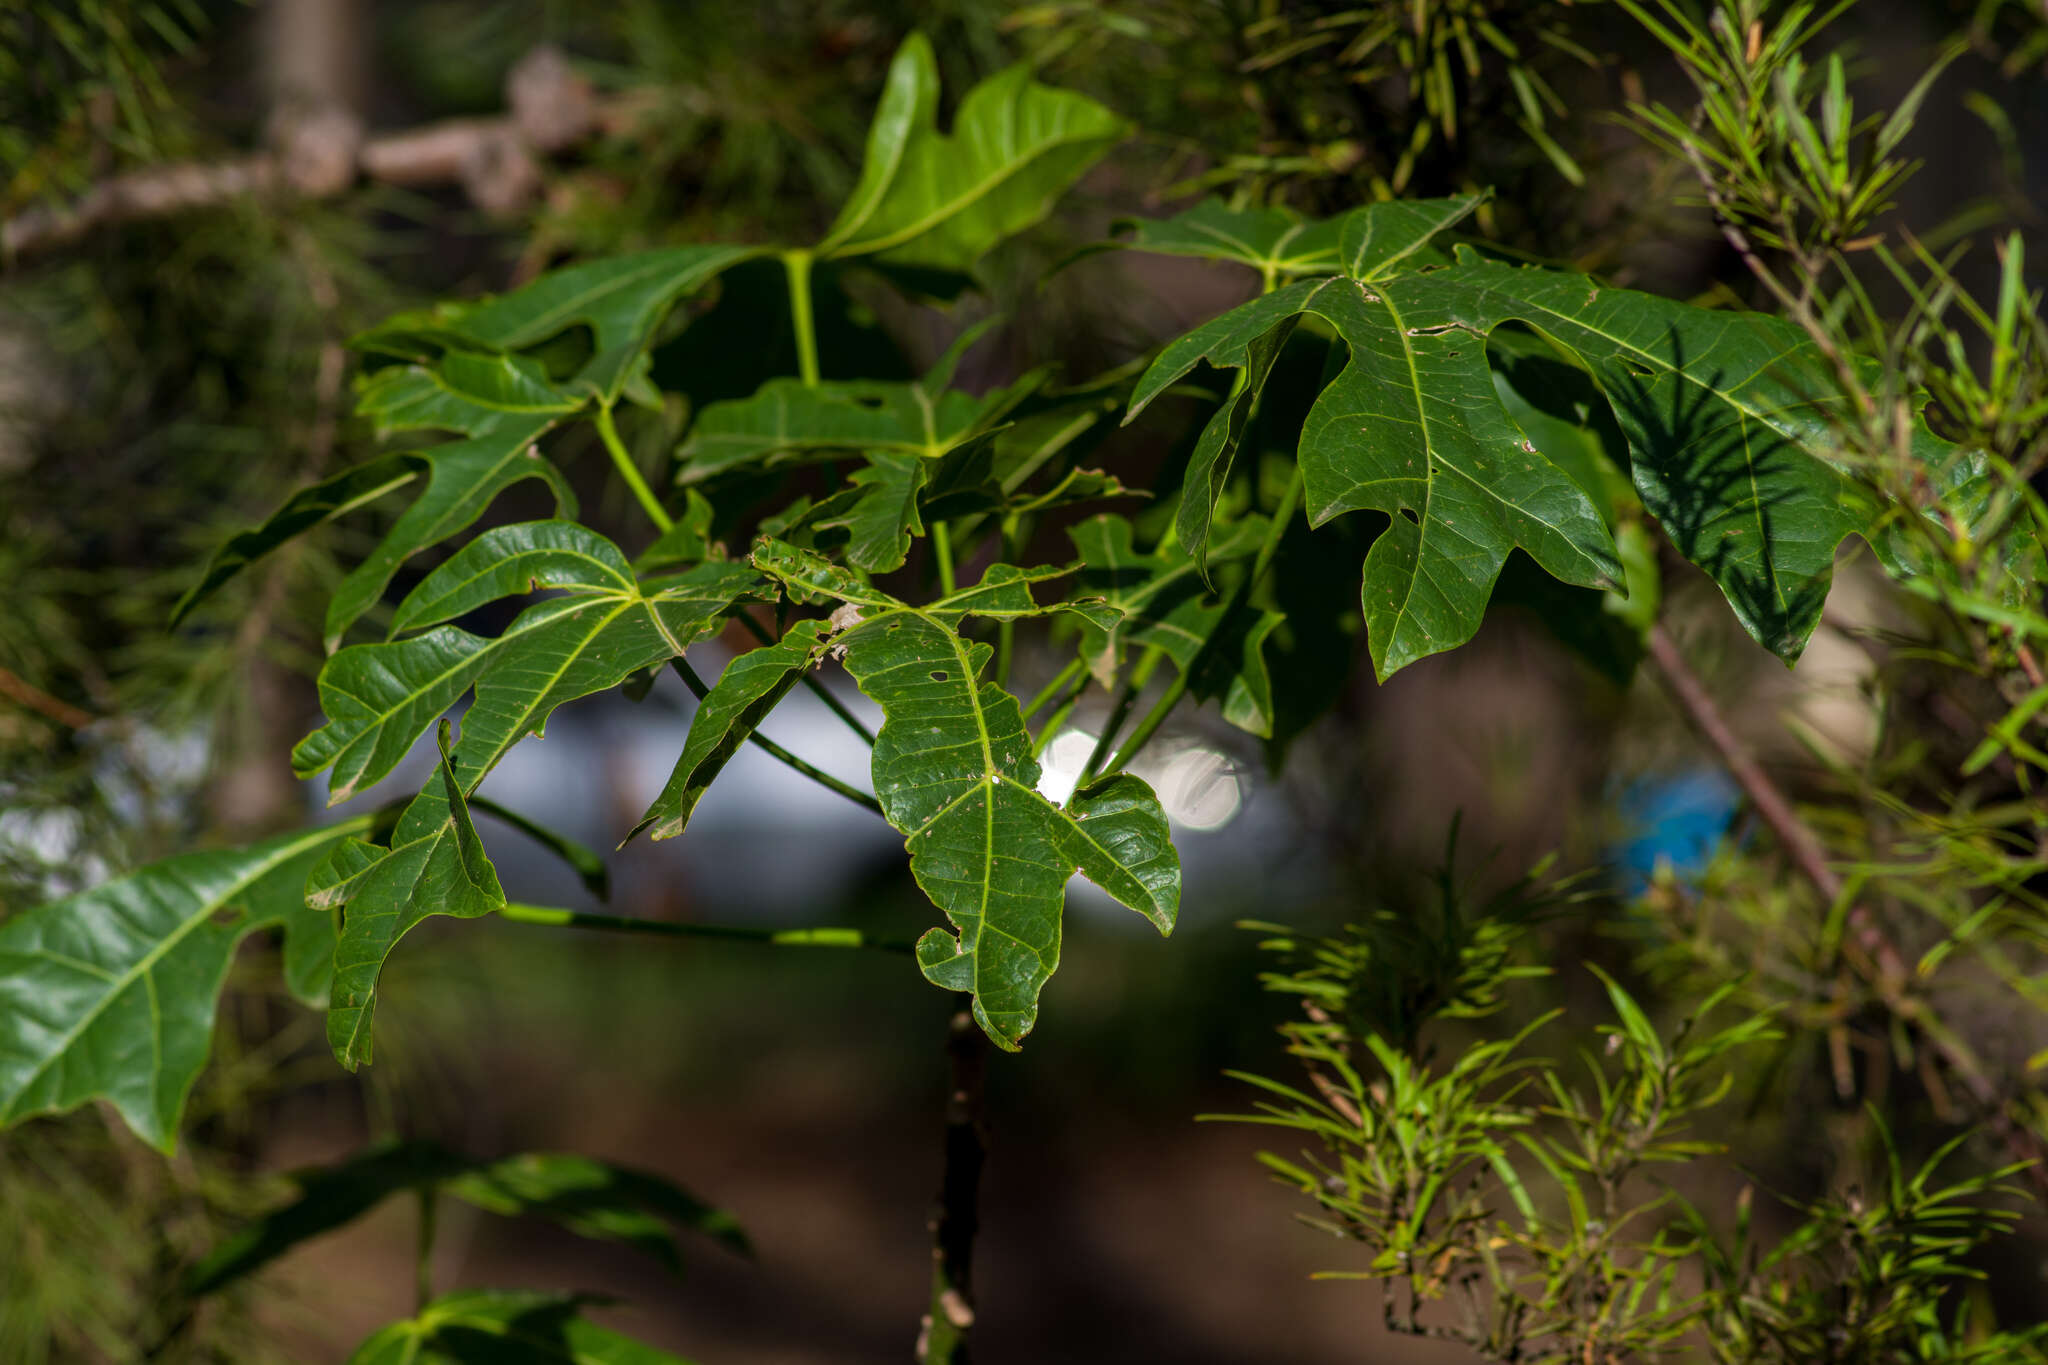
1679,818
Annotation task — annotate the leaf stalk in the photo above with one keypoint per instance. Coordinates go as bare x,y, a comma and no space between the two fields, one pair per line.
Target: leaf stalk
821,937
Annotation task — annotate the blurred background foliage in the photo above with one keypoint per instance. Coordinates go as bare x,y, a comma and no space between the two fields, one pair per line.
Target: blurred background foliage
166,379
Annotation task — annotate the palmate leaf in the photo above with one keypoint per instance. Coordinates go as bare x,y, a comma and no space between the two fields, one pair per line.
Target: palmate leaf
954,772
941,200
1159,600
505,1327
1727,420
465,379
1724,414
785,418
1411,427
111,993
620,299
591,1198
380,698
603,629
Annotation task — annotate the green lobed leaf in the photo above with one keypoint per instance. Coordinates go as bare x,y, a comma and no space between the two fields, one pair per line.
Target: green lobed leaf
436,865
505,1327
1412,426
111,993
748,689
883,515
1275,242
954,772
620,299
941,200
1727,417
785,419
604,629
591,1198
380,698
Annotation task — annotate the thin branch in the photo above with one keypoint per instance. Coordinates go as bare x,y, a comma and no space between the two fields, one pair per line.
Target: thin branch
1810,858
554,918
777,752
552,109
30,697
949,1319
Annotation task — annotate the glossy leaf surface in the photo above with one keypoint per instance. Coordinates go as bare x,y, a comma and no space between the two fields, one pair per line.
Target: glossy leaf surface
436,865
940,200
380,698
742,697
954,772
110,993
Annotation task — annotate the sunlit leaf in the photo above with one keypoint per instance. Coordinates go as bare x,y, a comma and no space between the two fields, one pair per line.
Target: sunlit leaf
954,771
941,200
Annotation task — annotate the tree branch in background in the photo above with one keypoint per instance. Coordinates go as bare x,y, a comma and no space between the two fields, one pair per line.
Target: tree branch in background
1889,972
32,698
322,151
950,1317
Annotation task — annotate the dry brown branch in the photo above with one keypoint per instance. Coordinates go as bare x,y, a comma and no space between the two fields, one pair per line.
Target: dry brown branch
1887,970
322,153
30,697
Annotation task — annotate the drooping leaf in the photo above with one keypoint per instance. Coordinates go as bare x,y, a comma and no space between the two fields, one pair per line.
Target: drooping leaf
744,694
954,772
941,200
380,698
591,1198
505,1327
1160,601
111,993
604,629
337,495
436,865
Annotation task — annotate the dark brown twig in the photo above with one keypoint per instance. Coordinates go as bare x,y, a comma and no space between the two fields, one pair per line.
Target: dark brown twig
30,697
949,1319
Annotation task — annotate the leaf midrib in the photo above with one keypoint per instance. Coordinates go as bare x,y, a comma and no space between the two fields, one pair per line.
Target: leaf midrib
119,983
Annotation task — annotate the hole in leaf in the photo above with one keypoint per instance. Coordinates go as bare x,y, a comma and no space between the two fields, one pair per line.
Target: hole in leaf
1409,513
940,675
